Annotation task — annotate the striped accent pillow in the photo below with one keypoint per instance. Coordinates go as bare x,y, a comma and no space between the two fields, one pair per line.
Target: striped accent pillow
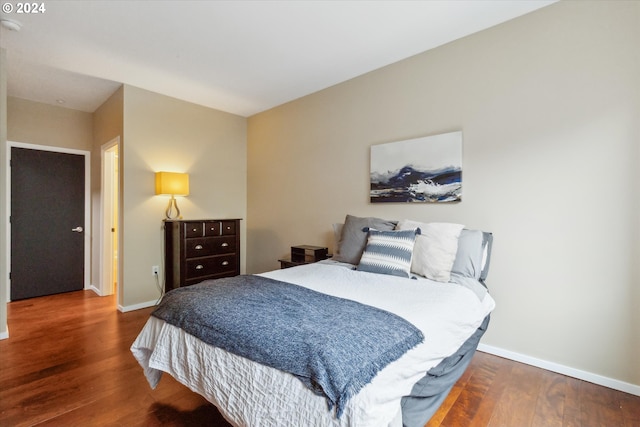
388,252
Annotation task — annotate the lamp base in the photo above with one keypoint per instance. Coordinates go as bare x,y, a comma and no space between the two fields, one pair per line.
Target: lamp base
173,204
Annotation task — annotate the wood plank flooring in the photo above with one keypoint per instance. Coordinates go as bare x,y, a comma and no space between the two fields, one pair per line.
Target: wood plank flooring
67,363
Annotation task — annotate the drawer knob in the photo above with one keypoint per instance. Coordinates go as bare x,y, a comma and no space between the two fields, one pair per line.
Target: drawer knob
198,247
225,263
224,245
199,267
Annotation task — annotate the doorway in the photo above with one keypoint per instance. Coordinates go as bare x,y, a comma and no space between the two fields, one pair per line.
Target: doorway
49,220
110,217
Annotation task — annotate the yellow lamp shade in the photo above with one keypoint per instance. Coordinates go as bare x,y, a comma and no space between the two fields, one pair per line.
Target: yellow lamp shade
173,183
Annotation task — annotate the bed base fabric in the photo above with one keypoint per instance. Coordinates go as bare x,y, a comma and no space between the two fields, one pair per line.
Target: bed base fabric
428,394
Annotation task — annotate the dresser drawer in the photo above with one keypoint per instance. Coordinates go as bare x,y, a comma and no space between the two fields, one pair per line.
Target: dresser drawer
211,266
193,229
228,228
212,228
206,246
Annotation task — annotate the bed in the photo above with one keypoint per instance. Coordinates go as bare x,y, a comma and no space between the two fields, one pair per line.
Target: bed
438,315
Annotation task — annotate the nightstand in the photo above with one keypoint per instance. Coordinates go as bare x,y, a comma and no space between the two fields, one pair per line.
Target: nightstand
304,254
286,262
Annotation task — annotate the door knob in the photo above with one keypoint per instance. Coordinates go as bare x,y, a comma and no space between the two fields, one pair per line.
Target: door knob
77,229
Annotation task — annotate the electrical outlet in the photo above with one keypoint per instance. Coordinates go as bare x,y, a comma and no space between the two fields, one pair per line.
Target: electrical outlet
155,270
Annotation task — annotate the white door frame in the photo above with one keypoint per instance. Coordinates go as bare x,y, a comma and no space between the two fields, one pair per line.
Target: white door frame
87,203
106,210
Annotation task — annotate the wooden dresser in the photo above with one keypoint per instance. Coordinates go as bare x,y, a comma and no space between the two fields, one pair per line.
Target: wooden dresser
197,250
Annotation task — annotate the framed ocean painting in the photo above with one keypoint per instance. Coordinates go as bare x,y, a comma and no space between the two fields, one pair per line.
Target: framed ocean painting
424,170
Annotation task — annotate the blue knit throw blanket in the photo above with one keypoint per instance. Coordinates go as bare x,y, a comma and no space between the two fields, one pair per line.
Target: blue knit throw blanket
334,346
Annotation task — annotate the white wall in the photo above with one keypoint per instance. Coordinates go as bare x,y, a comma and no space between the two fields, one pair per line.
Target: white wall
166,134
549,106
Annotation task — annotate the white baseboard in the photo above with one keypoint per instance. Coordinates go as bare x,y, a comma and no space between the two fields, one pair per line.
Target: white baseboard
95,290
125,308
5,334
561,369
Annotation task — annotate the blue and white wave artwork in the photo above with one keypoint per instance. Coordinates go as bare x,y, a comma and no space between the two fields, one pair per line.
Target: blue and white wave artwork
421,170
411,185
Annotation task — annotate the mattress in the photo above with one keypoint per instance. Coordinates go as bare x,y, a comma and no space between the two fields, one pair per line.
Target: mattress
250,394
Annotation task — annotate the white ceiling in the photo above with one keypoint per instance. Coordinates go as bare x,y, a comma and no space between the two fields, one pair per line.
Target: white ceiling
242,57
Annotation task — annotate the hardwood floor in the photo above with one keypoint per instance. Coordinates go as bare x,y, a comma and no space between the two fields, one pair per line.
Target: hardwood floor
67,363
496,392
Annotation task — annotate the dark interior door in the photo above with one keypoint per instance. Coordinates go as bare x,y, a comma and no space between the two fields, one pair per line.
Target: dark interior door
47,223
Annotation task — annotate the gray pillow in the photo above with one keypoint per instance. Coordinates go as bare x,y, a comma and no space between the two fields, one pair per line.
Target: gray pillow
389,252
471,260
487,243
353,239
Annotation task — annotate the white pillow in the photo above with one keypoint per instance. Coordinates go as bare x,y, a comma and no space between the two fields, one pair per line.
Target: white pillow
435,249
337,232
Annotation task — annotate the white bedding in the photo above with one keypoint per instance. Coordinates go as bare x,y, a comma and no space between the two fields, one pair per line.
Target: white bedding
250,394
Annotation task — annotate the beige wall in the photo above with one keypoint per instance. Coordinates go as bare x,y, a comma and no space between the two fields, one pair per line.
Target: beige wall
156,133
42,124
166,134
549,106
108,121
4,238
